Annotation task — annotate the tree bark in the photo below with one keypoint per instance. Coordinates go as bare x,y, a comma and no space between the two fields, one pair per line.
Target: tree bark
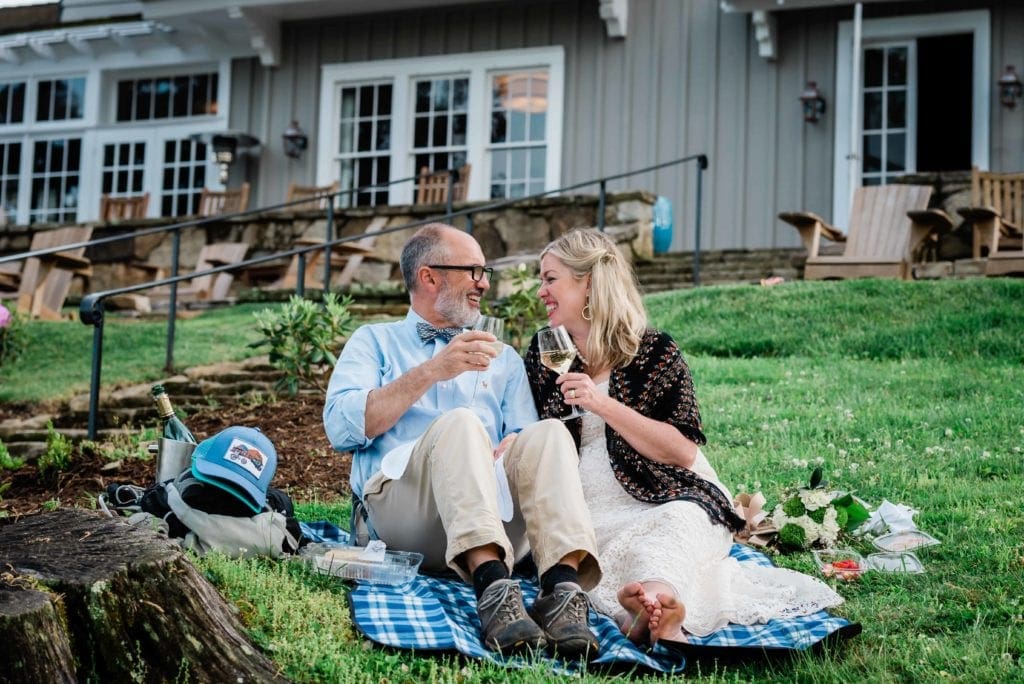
86,597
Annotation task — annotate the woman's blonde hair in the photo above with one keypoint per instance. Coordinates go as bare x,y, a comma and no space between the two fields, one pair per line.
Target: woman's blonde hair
615,309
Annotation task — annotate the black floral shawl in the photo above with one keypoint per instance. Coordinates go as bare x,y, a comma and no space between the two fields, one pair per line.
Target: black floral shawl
658,385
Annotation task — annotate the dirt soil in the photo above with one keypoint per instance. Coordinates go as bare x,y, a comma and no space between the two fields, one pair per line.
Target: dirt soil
307,468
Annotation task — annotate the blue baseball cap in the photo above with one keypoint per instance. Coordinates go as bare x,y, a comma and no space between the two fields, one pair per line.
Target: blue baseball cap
239,460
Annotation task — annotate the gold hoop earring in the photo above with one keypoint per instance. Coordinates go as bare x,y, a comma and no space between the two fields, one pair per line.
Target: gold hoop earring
586,313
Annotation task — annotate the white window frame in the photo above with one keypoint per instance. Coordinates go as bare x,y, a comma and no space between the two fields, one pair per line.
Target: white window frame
912,27
478,66
910,88
98,125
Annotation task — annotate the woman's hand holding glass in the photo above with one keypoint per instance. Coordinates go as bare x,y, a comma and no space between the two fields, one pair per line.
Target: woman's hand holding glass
557,352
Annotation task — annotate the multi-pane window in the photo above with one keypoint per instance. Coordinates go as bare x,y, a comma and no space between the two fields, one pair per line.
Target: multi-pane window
166,97
184,175
12,102
519,110
60,99
123,166
56,165
10,163
364,142
439,123
886,88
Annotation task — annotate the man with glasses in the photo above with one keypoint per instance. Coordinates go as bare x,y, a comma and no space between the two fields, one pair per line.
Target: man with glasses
426,468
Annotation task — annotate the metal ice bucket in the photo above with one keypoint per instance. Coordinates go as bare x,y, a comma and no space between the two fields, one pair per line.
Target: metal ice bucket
172,457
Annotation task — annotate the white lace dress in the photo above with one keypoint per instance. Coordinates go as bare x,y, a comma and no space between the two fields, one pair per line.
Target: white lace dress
676,543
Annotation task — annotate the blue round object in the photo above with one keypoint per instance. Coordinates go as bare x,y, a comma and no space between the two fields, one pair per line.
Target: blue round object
662,225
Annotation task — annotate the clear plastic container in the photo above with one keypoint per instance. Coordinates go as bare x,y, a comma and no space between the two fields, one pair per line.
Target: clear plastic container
898,542
359,563
895,562
844,564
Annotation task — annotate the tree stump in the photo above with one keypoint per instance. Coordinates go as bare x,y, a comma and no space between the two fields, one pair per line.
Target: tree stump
87,597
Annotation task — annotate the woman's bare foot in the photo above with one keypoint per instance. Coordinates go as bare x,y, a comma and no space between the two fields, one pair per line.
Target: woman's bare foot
666,617
634,623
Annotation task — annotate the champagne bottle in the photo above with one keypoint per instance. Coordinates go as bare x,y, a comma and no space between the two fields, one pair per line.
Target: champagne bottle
173,427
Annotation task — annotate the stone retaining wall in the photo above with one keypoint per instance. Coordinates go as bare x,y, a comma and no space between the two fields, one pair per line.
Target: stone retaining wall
503,233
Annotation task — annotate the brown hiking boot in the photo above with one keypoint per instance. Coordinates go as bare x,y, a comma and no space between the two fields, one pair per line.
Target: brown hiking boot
564,616
507,627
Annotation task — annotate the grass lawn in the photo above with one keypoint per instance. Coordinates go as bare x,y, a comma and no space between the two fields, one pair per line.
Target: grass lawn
910,392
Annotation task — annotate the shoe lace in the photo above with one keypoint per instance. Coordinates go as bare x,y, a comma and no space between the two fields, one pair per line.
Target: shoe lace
574,604
506,604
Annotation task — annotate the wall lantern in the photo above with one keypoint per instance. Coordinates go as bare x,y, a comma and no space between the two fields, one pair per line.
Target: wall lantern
226,147
295,140
812,101
1010,87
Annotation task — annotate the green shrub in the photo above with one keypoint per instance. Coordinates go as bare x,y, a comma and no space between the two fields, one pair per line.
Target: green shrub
57,457
12,334
304,337
8,462
522,310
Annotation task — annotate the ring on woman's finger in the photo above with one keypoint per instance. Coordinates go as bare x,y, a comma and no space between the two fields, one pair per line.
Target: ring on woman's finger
572,393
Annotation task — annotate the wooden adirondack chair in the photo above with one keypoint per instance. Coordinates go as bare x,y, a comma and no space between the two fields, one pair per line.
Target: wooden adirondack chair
997,217
216,202
121,208
345,259
42,283
318,195
208,288
888,225
432,187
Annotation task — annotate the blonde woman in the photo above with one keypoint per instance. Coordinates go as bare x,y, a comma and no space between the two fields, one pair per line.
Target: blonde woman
664,521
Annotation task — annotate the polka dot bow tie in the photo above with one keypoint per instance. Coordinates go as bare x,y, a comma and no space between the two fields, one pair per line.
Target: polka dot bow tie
428,332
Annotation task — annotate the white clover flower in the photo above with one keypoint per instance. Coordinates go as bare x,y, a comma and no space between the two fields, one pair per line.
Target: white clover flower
757,484
749,443
813,499
765,427
818,460
854,467
837,473
949,432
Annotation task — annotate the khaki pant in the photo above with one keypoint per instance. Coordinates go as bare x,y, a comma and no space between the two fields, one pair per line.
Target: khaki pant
446,502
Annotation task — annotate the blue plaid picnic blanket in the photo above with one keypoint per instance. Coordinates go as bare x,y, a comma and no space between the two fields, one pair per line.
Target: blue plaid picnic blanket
439,614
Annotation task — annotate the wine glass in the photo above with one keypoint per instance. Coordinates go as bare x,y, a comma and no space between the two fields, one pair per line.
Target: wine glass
495,326
557,353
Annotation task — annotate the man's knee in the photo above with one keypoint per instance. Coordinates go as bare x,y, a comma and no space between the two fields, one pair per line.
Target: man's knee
550,437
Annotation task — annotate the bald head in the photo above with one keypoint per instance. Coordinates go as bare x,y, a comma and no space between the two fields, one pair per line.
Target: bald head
434,243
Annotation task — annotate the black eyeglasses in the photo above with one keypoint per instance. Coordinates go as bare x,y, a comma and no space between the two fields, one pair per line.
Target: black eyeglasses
476,272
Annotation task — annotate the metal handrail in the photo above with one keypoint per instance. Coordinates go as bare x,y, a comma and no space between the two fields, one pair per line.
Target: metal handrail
91,307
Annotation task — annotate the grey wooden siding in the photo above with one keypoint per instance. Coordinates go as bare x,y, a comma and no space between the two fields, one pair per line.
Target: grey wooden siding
687,79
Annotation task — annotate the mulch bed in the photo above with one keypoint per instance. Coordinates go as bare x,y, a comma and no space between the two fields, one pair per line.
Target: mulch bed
308,468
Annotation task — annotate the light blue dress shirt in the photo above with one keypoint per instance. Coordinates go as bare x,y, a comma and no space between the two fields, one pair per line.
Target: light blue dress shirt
378,354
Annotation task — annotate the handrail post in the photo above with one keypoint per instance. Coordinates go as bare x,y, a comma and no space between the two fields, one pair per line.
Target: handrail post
172,303
451,188
300,284
90,312
702,163
601,199
469,223
329,234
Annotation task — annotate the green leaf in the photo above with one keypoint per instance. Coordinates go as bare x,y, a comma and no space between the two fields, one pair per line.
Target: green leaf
816,478
856,515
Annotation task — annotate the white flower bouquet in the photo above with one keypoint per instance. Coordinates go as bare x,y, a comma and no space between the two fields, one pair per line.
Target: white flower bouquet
816,517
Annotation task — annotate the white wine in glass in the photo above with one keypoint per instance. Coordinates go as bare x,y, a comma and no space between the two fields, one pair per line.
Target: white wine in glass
557,352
